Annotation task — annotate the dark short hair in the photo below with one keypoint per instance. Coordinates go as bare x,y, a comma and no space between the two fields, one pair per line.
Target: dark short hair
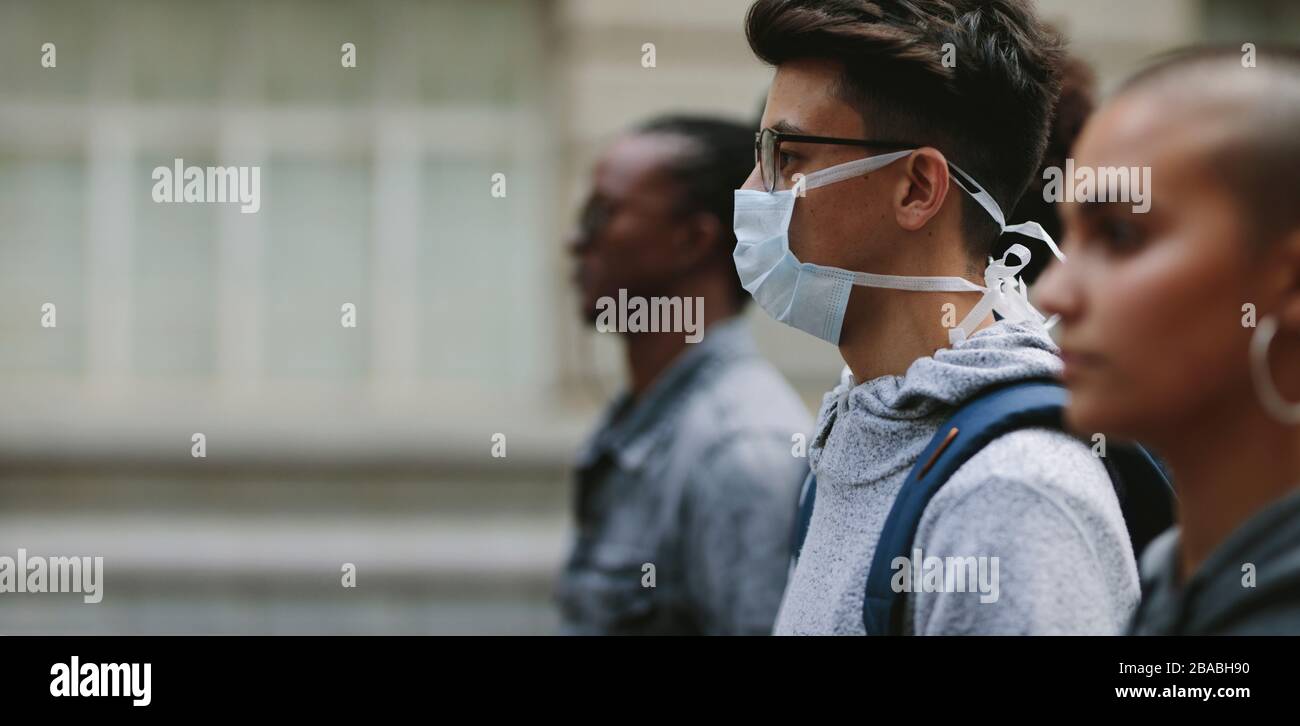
1256,157
717,158
988,112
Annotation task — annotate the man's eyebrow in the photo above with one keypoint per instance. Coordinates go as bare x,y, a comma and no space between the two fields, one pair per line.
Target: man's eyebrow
788,128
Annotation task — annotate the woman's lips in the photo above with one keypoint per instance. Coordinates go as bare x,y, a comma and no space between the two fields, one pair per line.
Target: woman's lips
1076,361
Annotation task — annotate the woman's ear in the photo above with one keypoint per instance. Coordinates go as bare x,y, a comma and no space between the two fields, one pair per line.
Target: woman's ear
923,189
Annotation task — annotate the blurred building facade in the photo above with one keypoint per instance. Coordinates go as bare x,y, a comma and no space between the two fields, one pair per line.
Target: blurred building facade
327,444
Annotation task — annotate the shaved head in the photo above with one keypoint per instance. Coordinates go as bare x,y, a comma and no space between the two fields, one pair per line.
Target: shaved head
1244,123
1151,302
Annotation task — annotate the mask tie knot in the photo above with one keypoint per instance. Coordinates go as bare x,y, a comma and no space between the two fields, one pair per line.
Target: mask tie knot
1004,293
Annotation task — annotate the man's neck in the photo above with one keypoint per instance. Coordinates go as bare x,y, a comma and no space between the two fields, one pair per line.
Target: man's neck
647,355
885,331
1229,463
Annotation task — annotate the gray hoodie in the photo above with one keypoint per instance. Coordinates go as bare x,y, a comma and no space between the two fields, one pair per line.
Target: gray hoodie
1036,506
1249,584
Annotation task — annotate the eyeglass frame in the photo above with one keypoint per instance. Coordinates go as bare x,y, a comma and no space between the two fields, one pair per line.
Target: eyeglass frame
780,136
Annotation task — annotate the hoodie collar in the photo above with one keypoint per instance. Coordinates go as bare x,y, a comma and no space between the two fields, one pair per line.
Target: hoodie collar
935,384
1214,594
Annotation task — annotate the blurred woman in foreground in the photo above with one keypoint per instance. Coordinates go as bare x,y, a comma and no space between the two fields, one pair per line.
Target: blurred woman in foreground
1180,327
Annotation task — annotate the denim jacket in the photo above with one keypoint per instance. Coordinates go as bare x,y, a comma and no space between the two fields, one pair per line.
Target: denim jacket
685,499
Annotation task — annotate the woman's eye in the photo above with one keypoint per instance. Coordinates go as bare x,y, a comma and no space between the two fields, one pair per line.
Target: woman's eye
1119,235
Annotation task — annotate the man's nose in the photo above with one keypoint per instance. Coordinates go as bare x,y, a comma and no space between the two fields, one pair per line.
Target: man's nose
754,181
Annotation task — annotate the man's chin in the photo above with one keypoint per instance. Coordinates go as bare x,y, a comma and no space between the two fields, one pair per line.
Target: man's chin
589,307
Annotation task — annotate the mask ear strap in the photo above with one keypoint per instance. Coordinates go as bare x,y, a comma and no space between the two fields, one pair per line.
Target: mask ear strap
850,169
1035,230
1012,304
985,200
915,283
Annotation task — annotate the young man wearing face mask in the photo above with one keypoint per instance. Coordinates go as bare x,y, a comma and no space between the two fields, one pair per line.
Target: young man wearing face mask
882,171
686,489
1159,343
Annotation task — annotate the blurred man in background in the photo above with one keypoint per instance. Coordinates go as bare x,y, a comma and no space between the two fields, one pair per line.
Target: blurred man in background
686,490
1160,334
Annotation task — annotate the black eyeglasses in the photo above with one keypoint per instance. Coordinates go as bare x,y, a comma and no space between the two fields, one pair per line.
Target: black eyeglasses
767,150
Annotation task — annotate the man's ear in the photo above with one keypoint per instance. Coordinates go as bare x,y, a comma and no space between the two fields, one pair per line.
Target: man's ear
698,235
923,189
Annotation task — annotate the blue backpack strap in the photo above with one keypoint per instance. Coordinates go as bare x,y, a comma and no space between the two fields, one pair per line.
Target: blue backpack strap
807,496
976,422
1145,495
1141,483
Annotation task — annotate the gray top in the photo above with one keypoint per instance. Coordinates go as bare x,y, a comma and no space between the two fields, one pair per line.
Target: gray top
1038,500
1249,585
699,480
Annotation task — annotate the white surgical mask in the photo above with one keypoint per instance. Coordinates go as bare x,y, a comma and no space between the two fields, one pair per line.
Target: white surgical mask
813,297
